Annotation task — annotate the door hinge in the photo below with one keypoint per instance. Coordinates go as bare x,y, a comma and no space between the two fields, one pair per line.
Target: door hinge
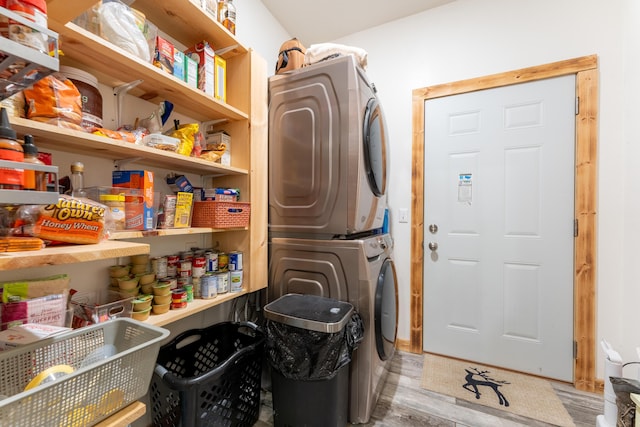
575,349
575,227
577,105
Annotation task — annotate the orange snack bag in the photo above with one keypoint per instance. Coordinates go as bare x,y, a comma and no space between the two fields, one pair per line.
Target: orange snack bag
53,100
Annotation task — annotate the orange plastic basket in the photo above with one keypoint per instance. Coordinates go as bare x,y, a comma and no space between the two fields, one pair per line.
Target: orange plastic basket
220,214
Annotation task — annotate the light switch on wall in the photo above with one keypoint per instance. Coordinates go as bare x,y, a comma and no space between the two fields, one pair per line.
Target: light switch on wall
403,215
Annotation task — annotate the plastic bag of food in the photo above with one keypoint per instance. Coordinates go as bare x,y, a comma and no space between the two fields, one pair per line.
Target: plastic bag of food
186,134
70,220
54,100
123,27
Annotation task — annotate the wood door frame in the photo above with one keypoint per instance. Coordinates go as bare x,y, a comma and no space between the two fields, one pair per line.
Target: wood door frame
586,71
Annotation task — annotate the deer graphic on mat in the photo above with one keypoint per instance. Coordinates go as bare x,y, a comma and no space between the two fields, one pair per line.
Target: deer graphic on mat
481,378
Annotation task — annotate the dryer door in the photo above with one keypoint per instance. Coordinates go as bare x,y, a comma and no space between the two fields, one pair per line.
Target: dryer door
376,156
386,310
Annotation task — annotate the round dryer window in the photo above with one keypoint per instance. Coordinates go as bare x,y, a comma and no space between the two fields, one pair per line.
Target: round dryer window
386,315
375,147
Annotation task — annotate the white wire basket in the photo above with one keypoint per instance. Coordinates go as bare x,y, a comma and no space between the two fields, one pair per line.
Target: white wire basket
109,366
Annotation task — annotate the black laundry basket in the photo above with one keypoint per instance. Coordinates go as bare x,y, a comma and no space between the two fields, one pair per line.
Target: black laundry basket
209,377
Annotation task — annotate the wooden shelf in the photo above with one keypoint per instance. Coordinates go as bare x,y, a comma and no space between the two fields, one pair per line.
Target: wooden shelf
137,234
186,22
125,416
70,254
114,66
57,138
193,307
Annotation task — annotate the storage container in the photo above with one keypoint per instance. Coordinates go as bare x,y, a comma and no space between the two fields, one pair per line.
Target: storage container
220,214
109,366
99,306
209,377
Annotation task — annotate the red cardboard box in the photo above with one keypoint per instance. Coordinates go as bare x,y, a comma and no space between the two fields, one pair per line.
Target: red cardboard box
164,55
203,54
141,216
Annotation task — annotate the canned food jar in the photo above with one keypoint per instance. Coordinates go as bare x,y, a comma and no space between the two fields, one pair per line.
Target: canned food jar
212,261
223,282
208,286
184,268
235,260
159,266
188,289
235,277
199,265
223,261
172,265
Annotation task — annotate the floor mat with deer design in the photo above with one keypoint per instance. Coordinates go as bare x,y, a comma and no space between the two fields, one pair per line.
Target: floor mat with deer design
521,394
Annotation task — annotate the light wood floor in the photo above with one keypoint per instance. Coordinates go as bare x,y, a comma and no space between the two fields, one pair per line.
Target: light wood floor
404,403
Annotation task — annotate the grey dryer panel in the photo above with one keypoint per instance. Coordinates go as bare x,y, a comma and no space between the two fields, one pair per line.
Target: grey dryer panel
318,179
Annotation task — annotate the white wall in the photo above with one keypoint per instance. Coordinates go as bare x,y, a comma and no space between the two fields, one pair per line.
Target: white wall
472,38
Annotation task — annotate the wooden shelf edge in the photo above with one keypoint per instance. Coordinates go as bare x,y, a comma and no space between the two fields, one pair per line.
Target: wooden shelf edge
193,307
125,416
70,254
54,137
136,234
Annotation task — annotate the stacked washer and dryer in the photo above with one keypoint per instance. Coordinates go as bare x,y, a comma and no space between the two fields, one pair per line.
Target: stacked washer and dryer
328,175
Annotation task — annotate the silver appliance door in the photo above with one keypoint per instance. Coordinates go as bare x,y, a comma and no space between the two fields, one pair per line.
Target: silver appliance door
386,310
375,147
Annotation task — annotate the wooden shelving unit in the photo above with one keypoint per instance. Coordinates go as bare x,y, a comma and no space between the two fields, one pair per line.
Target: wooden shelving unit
244,114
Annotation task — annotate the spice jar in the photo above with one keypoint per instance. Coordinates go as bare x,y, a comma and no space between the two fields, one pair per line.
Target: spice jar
33,180
10,149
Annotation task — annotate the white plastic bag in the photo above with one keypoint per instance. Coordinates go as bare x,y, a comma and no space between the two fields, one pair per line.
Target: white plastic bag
118,25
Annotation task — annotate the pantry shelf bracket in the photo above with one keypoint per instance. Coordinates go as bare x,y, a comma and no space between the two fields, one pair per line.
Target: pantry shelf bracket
118,164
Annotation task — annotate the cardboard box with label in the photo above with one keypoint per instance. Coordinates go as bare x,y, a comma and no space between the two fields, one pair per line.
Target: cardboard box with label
139,216
203,54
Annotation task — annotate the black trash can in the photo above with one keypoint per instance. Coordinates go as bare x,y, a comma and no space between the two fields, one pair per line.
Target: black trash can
309,344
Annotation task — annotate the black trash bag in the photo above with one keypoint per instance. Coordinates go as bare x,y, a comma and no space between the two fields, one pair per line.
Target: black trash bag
301,354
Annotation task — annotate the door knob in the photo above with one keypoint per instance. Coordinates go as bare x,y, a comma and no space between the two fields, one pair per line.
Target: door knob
433,228
433,246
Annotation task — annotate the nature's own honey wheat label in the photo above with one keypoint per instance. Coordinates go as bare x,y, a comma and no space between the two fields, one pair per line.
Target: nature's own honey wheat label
72,220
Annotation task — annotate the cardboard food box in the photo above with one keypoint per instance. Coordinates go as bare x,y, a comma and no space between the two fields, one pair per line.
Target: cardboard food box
204,55
139,216
28,333
220,91
217,141
191,72
184,203
164,55
179,64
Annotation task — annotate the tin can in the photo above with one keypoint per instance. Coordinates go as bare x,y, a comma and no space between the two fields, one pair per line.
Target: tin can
184,268
184,281
198,264
223,261
223,282
188,255
188,289
195,282
235,260
235,279
159,266
172,265
208,286
212,261
178,295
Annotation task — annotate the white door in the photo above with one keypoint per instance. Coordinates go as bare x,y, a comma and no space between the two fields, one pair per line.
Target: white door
499,196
